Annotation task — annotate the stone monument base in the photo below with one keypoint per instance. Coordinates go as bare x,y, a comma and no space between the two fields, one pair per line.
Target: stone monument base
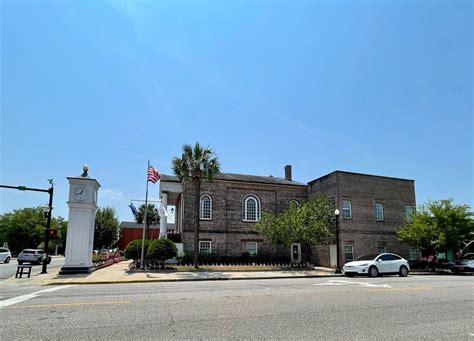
70,270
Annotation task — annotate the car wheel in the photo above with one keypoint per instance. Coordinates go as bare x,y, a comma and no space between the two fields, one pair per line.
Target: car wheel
20,262
403,271
373,271
7,260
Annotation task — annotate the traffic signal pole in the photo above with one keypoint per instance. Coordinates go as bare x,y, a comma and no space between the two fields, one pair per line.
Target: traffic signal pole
50,191
48,229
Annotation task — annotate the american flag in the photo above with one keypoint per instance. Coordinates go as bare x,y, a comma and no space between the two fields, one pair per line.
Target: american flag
153,174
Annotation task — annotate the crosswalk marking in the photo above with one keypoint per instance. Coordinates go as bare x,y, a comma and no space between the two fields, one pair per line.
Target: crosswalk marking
22,298
338,282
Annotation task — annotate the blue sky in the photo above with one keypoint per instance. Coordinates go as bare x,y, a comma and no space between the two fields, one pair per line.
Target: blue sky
381,87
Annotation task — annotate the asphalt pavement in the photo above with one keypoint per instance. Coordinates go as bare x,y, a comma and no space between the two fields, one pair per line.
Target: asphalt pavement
389,307
9,270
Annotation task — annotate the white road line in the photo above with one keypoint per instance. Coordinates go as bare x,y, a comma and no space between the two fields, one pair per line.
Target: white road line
22,298
336,282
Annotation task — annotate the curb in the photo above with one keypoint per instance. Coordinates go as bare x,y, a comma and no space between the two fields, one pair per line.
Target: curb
189,280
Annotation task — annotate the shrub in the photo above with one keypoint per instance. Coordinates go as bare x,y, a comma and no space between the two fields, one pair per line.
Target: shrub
160,250
208,258
134,249
96,259
187,259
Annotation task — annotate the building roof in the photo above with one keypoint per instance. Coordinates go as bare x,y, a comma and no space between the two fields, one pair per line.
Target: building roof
134,225
361,174
271,180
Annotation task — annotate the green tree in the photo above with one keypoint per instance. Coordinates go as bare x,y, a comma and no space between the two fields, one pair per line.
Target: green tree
196,164
160,250
438,226
152,217
310,223
106,230
26,228
134,249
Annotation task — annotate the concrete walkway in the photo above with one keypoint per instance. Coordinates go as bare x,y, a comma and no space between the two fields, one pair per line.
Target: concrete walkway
118,273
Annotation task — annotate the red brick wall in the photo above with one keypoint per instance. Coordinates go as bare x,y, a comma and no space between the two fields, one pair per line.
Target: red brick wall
227,231
128,234
362,231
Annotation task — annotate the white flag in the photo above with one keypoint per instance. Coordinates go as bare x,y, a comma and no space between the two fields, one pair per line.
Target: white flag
162,211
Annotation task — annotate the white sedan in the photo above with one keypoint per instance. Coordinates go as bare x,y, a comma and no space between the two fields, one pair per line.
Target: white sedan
373,265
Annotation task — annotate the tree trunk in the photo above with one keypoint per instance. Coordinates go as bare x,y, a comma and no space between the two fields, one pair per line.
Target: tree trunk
197,185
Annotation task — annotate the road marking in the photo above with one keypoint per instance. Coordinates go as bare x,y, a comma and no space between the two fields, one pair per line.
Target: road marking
22,298
336,282
59,305
402,289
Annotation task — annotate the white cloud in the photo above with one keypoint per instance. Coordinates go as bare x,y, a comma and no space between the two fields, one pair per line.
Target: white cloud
112,194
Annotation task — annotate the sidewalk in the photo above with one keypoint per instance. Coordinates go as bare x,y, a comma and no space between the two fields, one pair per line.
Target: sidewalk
118,273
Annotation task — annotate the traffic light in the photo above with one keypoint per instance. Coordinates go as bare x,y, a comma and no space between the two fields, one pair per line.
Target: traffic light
52,233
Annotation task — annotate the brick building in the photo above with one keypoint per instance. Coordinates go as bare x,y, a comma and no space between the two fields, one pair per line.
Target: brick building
372,208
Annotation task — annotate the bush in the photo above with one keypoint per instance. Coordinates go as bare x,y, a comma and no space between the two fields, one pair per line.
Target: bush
187,259
96,259
134,249
208,258
160,250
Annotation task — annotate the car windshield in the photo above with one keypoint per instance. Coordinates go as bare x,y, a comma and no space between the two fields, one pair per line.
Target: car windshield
28,252
469,256
367,257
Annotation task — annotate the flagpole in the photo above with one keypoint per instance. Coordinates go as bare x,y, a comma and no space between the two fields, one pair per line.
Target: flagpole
142,260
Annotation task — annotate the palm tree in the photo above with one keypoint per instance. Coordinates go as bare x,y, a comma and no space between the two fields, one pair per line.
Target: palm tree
196,164
152,217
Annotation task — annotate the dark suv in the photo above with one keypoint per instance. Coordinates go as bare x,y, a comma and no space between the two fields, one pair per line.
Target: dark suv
33,256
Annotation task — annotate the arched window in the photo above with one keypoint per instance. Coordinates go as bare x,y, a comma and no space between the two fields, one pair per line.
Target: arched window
294,202
205,207
251,208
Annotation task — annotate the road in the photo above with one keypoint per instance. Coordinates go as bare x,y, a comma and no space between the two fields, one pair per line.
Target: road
430,307
9,270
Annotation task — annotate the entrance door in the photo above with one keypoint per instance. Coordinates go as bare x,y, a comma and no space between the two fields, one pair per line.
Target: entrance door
333,255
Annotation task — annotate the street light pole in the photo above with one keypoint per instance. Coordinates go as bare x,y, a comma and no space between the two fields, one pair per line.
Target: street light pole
48,228
338,264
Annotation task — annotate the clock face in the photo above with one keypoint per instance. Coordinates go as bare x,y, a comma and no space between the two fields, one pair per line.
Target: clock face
80,193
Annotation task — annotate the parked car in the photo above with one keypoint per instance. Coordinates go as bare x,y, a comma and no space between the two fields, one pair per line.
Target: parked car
373,265
33,256
5,255
465,264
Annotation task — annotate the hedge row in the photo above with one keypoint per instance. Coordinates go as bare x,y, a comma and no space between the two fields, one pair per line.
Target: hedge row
244,259
156,251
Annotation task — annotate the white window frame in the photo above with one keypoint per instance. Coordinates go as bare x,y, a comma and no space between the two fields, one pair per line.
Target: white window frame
375,208
347,209
201,242
257,207
412,253
201,207
352,252
409,213
256,248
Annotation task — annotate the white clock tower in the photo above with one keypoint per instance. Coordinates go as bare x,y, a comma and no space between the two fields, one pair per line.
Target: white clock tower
80,228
